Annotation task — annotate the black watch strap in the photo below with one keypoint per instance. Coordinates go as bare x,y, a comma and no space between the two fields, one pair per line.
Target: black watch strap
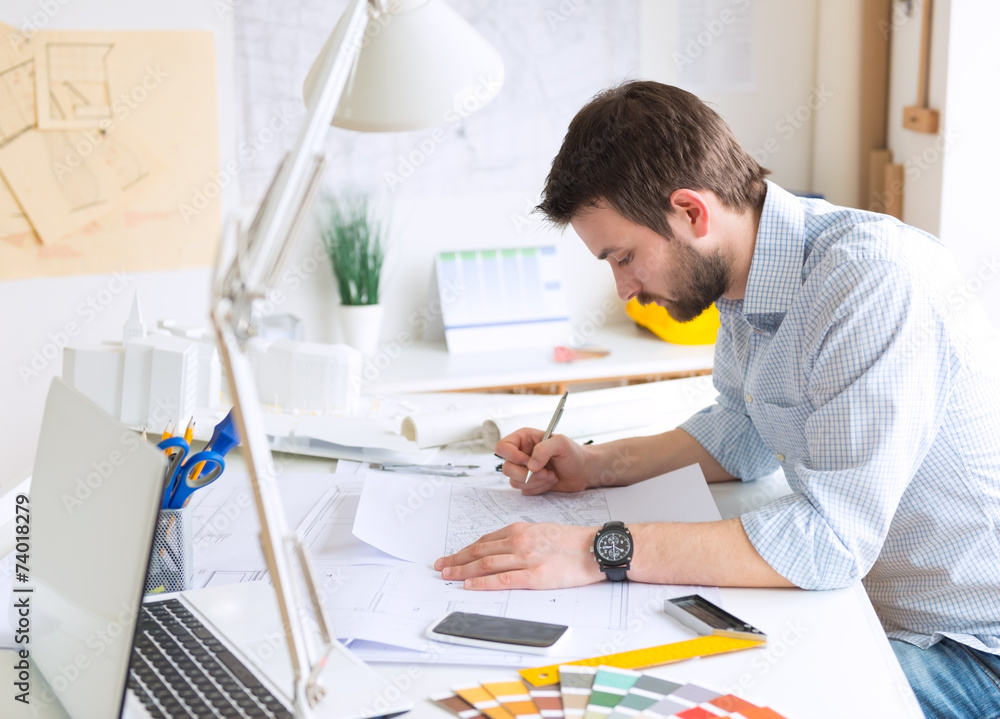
616,574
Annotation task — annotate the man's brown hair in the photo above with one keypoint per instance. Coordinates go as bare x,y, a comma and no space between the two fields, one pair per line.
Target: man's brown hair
633,145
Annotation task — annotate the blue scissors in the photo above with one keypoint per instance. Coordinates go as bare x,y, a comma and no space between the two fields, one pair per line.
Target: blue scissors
179,483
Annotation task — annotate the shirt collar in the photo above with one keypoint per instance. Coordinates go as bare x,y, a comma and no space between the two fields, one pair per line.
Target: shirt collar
776,269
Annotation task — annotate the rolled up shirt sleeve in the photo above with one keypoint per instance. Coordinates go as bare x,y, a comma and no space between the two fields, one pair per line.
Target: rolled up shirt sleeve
725,429
875,363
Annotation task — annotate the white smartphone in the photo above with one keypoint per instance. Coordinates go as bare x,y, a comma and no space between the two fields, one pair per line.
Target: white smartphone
511,635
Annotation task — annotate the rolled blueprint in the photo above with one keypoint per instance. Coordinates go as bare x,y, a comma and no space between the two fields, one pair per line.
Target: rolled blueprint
587,413
580,421
437,428
433,429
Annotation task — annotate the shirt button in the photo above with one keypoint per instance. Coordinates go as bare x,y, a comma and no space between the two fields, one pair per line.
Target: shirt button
749,398
781,457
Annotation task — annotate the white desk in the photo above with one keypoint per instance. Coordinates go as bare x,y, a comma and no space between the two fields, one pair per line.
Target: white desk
827,655
636,355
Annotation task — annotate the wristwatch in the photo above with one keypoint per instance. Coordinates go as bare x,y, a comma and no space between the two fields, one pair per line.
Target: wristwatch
613,550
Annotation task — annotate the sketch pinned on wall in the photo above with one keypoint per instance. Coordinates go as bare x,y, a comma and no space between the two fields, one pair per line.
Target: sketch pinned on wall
76,94
108,152
557,55
15,230
17,100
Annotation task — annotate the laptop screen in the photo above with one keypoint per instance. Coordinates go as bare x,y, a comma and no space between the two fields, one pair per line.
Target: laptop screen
95,493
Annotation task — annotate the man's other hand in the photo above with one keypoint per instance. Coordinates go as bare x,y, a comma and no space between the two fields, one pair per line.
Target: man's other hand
526,556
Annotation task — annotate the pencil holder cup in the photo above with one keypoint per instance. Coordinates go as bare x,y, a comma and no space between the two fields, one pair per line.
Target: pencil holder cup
171,565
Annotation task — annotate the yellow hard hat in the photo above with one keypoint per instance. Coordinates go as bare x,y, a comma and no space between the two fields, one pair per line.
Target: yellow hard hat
699,331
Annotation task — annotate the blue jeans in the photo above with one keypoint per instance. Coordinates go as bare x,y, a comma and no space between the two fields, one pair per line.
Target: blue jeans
951,679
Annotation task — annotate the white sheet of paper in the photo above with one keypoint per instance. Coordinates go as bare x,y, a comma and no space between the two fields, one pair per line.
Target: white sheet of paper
716,46
420,517
394,605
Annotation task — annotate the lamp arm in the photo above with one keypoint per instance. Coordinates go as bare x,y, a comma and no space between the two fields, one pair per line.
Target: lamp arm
271,233
247,267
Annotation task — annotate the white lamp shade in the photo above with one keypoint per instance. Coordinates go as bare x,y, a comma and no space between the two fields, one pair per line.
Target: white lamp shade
420,65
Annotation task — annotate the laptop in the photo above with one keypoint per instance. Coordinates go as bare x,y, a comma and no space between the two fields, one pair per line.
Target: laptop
95,648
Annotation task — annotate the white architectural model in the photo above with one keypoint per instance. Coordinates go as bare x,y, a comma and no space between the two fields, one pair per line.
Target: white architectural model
151,379
148,379
307,376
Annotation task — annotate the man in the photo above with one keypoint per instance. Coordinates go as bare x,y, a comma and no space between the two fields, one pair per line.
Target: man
849,355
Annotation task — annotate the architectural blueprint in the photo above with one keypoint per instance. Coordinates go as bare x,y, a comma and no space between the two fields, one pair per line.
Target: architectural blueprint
476,511
385,603
420,518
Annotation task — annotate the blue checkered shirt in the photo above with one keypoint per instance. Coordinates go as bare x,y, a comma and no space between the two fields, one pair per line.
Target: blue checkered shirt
861,363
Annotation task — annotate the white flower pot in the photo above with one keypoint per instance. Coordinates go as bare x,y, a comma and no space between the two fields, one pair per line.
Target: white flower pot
361,325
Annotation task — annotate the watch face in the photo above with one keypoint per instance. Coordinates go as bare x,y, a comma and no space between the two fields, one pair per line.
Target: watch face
614,547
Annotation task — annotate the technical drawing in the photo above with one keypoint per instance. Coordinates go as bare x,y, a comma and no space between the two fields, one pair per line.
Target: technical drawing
375,598
475,511
81,189
78,81
17,100
128,165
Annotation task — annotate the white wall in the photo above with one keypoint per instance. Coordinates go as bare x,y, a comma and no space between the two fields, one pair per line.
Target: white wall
36,312
837,124
971,157
785,82
951,182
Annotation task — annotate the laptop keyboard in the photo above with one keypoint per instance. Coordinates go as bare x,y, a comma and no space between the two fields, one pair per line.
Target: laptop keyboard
179,669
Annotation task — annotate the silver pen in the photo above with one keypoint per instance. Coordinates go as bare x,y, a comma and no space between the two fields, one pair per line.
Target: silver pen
552,426
444,470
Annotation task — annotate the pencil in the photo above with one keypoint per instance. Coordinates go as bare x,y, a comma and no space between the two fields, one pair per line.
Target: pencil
552,425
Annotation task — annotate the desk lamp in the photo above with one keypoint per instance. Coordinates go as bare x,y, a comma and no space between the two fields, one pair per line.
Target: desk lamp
389,65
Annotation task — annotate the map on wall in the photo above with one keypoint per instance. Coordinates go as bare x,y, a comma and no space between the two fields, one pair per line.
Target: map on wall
557,55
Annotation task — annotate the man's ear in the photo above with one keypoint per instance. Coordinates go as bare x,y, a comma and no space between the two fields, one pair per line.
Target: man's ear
693,211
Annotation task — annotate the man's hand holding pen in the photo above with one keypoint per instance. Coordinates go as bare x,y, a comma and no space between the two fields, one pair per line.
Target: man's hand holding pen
557,464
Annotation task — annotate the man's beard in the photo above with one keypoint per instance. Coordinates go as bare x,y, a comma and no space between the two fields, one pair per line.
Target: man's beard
707,278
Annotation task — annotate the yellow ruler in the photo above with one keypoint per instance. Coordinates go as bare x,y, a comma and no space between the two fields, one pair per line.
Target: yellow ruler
648,657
